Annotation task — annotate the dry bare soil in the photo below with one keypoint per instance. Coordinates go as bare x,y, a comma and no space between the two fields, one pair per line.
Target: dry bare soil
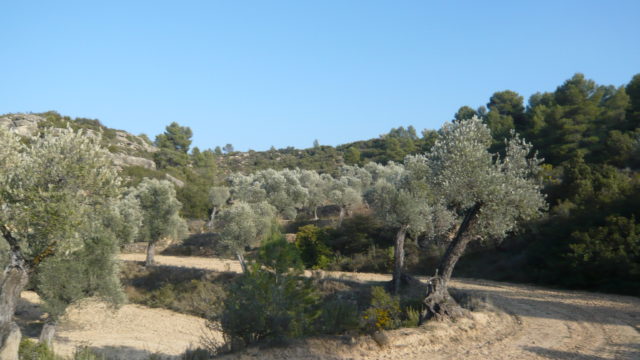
532,323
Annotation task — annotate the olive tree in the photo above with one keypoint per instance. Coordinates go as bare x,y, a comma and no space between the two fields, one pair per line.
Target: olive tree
409,208
245,188
488,194
283,190
316,186
218,197
243,225
346,192
160,214
56,192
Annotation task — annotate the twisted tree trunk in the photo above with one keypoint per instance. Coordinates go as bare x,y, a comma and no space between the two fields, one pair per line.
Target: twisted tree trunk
438,303
151,252
243,263
341,217
211,224
13,279
398,257
47,333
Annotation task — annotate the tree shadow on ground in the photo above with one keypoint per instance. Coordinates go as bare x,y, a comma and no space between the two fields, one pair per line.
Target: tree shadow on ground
29,317
129,353
562,306
625,351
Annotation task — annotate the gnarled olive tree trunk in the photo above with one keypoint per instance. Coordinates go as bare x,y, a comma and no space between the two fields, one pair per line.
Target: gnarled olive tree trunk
151,253
211,224
341,216
398,256
438,303
47,333
243,263
13,279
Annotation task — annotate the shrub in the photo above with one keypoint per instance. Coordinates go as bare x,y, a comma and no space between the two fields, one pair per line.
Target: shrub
271,302
384,313
31,350
310,240
338,316
188,291
375,259
359,233
411,317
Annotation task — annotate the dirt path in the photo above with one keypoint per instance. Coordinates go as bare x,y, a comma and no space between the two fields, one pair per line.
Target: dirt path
131,332
544,323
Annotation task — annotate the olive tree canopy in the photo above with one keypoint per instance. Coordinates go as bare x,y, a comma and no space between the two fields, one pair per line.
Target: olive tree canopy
243,225
488,194
218,197
160,210
403,204
57,193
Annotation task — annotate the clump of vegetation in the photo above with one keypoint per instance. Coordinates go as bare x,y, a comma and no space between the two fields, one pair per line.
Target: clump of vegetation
160,214
310,240
188,291
62,206
375,260
30,350
270,302
338,316
384,312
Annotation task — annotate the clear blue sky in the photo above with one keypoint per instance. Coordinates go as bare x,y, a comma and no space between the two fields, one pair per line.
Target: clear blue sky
283,73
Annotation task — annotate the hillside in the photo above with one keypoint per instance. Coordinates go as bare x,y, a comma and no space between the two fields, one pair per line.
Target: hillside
588,134
134,154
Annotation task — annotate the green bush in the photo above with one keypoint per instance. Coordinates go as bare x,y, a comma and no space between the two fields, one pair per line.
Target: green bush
358,233
384,313
338,316
31,350
411,317
375,259
271,302
310,240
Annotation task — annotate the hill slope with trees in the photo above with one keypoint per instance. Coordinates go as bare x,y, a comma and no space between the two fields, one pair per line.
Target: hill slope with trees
588,135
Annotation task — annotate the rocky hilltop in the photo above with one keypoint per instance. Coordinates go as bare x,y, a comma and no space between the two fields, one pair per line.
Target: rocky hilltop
127,149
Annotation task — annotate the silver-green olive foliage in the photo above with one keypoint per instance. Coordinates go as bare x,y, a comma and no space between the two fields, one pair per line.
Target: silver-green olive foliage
391,172
244,224
51,186
61,200
245,188
463,173
346,192
282,189
218,196
359,177
160,211
402,204
125,218
316,186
